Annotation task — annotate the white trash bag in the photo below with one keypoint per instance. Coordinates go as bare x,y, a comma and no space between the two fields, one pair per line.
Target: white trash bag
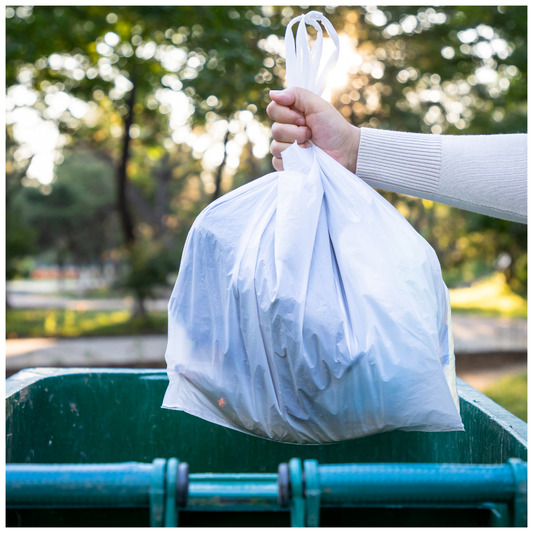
307,309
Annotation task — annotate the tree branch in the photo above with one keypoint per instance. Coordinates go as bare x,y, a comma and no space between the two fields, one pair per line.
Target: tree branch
218,178
143,208
122,177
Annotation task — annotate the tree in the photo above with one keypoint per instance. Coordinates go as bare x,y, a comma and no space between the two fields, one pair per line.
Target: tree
454,70
20,236
451,70
123,62
77,217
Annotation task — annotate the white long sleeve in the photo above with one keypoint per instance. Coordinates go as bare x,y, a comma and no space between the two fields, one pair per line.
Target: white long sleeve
486,174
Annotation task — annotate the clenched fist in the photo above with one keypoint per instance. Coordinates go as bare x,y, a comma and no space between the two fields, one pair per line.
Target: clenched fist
300,115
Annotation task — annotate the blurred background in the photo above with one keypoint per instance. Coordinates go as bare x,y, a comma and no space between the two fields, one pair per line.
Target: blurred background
123,123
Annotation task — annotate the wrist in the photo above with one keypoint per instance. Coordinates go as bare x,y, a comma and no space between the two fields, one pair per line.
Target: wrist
353,148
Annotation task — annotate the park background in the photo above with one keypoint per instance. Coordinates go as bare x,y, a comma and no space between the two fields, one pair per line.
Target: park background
123,123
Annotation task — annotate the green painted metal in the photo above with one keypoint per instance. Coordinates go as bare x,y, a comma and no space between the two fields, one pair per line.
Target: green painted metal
312,493
171,512
107,415
499,516
86,416
297,501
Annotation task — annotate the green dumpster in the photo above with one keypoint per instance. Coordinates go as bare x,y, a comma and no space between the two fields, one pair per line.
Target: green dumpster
93,447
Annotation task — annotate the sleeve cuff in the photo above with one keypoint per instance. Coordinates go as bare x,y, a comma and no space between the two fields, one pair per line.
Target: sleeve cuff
397,161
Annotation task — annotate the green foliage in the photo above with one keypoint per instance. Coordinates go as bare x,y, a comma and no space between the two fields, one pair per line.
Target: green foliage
224,48
20,235
224,64
76,218
207,37
20,242
468,245
148,267
511,393
22,323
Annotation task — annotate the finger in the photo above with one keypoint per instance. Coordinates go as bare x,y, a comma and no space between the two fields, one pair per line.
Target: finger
300,100
285,115
277,163
288,133
276,148
285,98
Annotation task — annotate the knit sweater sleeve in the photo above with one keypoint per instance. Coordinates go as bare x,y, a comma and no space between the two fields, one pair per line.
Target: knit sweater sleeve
486,174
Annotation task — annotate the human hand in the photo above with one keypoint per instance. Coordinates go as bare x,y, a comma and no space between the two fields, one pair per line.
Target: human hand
301,115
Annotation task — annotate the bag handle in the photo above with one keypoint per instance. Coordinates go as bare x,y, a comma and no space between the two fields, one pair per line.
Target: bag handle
302,63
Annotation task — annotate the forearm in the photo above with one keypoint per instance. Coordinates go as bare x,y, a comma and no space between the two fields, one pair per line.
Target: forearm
481,173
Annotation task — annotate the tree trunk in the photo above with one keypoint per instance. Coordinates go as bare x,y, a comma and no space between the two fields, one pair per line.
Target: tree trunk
218,178
122,176
141,205
162,175
139,309
60,272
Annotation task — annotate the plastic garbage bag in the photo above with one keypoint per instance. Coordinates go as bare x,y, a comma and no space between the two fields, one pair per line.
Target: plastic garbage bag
307,309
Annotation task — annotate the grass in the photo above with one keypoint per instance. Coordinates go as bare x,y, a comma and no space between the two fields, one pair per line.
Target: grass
511,393
22,323
490,297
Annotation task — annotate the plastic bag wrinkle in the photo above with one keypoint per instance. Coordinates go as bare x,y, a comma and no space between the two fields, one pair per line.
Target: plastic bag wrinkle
308,310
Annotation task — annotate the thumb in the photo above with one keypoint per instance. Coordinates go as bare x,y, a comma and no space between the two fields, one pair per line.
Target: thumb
300,99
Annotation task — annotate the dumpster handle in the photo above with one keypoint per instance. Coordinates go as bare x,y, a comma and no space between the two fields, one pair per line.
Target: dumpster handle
284,485
297,501
176,491
312,493
183,485
157,492
519,504
171,485
163,487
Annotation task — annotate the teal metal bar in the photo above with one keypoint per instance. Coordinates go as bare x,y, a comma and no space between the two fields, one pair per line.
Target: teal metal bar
312,493
171,512
501,487
415,483
297,503
233,492
78,485
519,505
157,493
135,485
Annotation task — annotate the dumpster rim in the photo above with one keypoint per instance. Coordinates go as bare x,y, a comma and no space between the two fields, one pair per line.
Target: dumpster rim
28,376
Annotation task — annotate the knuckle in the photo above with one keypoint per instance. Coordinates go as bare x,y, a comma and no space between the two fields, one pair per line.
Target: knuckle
276,149
297,92
276,130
